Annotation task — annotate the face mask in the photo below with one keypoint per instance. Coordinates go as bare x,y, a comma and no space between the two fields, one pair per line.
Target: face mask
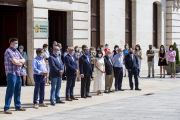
116,49
58,53
100,55
171,49
98,49
120,53
127,46
109,55
102,48
77,49
60,47
16,46
42,55
137,48
73,53
21,50
150,48
46,48
162,48
92,51
107,46
87,53
130,53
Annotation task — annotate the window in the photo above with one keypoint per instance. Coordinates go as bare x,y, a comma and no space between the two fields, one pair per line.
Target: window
155,21
128,23
95,23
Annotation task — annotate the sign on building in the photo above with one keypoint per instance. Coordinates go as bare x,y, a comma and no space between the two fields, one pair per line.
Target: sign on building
41,29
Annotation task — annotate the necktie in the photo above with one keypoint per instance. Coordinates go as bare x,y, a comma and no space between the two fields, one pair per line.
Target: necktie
58,59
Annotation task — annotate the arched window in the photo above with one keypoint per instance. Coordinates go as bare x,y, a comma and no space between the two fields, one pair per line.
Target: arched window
128,21
155,24
95,23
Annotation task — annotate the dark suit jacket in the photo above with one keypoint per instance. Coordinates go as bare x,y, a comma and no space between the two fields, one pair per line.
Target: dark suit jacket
114,52
108,65
129,63
84,65
55,66
71,66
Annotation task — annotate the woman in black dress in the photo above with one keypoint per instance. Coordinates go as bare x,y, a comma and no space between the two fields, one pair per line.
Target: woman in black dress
162,60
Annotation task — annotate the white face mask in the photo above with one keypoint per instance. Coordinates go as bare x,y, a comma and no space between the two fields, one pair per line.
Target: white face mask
137,48
116,49
100,55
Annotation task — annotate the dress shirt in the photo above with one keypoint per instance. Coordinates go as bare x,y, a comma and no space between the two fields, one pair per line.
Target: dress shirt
118,60
87,58
110,61
38,65
72,57
132,56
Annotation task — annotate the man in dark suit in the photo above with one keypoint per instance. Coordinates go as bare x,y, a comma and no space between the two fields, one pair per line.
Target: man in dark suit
85,71
131,63
56,72
109,72
71,72
51,48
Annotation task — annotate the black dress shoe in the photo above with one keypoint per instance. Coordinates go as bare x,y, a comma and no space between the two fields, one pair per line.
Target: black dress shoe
137,89
120,90
83,97
131,89
60,102
88,96
52,103
116,89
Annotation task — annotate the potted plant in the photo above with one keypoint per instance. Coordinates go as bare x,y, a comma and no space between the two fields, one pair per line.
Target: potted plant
177,60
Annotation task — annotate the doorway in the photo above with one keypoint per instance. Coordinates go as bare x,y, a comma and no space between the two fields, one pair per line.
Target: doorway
12,24
58,28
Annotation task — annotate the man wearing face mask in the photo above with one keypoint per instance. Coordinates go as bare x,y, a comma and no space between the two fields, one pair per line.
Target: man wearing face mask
71,73
56,72
109,72
131,63
118,67
13,64
85,71
40,71
150,59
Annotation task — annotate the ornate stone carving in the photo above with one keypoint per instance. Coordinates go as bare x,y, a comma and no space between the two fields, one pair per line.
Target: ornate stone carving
176,4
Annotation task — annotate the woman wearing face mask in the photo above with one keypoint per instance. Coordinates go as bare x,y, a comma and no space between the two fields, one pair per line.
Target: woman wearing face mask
24,55
77,55
115,50
125,52
171,60
138,52
162,60
46,57
92,55
99,81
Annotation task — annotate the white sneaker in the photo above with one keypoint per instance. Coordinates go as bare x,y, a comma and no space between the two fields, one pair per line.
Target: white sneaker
43,105
36,106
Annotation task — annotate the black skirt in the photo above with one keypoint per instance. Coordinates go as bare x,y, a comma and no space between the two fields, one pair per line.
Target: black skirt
163,63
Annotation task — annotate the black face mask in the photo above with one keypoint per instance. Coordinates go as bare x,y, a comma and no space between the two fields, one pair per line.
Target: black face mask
130,53
150,48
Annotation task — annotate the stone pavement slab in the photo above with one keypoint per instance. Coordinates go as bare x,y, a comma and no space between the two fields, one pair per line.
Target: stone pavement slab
147,85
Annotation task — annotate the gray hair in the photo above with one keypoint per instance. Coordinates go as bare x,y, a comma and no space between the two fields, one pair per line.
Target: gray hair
58,44
21,46
54,42
55,47
108,51
70,49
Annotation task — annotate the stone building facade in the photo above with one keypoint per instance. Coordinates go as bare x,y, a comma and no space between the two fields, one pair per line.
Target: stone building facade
97,22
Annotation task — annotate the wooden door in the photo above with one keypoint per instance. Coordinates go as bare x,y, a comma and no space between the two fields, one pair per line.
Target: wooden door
12,24
57,28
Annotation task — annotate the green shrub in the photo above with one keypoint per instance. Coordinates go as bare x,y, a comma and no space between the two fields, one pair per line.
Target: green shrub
177,53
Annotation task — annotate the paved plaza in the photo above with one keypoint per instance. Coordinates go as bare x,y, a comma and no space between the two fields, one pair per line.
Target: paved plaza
158,100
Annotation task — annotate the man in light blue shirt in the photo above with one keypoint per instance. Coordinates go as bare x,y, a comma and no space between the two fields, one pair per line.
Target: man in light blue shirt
40,71
118,67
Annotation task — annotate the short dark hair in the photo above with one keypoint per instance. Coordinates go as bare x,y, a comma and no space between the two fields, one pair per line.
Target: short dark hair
38,50
150,45
106,44
84,46
45,45
13,39
171,46
115,46
130,48
98,53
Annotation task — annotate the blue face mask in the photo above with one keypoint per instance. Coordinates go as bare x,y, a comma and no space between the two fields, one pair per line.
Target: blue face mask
73,53
77,49
42,55
16,46
87,53
102,48
171,49
58,53
60,47
107,46
127,46
21,50
46,48
120,53
109,55
162,48
98,49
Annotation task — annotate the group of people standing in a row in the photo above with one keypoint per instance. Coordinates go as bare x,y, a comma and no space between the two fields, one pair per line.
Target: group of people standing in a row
76,65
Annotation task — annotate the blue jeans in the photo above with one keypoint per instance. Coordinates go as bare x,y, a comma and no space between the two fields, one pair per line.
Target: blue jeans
13,87
70,85
55,88
39,88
